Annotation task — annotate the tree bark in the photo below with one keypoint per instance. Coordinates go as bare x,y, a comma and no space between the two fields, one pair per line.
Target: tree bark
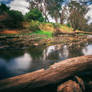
54,74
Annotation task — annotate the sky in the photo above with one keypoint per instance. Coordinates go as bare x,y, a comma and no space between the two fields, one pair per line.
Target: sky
22,5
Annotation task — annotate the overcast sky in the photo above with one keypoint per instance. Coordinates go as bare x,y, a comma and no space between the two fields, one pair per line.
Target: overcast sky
22,5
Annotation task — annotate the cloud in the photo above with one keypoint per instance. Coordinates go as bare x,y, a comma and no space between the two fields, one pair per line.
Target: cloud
20,5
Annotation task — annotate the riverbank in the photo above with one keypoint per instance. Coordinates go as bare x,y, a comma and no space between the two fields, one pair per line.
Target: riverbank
47,35
24,41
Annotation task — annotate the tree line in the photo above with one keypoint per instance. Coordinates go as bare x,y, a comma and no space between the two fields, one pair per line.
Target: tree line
73,14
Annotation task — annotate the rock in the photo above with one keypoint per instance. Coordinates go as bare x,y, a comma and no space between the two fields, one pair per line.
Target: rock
36,44
76,85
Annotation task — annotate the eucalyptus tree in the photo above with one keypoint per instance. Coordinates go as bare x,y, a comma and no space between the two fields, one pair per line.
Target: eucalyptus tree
54,8
40,5
48,7
77,15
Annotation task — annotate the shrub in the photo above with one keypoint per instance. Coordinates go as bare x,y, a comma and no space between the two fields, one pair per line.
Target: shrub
34,26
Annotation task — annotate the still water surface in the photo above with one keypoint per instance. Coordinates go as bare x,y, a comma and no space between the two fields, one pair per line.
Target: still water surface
14,62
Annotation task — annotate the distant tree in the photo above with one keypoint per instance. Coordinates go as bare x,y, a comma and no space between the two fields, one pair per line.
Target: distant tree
14,19
34,14
77,15
10,18
48,7
41,5
54,7
3,8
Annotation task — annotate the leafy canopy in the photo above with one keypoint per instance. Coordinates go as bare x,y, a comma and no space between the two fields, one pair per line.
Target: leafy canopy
15,18
34,14
3,8
76,17
11,18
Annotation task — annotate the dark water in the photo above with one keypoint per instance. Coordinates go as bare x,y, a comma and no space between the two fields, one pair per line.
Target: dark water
14,62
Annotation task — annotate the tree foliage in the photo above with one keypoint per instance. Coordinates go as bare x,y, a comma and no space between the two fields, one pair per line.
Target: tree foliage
54,7
77,15
3,8
13,19
34,14
48,7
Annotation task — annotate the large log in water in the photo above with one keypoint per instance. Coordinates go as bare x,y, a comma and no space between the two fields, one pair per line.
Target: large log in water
54,74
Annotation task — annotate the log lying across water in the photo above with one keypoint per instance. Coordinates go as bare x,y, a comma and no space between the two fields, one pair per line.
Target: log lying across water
54,74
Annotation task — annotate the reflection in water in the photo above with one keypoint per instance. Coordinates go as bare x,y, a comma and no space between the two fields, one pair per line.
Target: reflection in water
37,57
56,52
20,64
15,66
87,50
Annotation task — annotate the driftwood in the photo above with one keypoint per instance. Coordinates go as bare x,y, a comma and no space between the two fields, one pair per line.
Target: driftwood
74,85
54,74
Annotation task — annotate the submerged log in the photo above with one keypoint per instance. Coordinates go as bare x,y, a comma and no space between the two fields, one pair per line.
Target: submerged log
54,74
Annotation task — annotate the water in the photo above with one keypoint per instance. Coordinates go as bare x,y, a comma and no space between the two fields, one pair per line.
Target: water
15,62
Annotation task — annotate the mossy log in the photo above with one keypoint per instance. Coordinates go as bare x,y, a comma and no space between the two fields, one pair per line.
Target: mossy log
54,74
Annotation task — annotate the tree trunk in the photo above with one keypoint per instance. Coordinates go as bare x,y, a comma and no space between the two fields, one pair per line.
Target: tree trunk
54,74
56,19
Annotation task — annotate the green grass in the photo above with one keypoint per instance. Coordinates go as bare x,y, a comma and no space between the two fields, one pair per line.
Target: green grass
42,32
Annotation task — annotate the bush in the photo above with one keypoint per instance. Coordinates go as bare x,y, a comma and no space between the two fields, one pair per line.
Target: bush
34,26
34,14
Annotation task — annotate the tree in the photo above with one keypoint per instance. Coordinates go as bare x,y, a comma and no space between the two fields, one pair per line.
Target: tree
48,7
41,5
10,18
13,20
77,15
34,14
3,8
54,7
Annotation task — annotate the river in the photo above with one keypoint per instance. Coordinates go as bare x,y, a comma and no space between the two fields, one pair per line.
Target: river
19,61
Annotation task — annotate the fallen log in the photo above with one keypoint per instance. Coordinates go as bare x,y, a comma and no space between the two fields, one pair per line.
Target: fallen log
54,74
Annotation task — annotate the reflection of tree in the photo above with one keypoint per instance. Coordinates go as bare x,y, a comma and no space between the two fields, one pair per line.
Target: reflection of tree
76,50
35,51
56,52
10,53
87,50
